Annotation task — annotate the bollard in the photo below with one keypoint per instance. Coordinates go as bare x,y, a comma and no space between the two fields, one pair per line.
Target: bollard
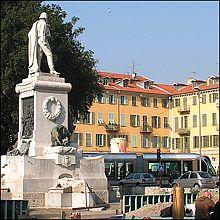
63,215
178,203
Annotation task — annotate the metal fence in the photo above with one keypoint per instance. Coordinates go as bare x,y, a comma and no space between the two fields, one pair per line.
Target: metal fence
12,209
134,202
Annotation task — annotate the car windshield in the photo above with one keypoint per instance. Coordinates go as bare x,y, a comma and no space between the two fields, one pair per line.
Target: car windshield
205,175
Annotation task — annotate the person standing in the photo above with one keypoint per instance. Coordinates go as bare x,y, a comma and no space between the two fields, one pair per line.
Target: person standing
204,206
38,44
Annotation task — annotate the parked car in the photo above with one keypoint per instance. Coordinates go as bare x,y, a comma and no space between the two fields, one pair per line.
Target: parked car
195,179
137,179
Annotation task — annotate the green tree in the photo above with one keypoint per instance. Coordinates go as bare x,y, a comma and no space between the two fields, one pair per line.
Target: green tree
75,64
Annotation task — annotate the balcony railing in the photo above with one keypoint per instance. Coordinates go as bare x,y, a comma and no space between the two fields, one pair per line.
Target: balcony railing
146,129
111,127
183,131
184,109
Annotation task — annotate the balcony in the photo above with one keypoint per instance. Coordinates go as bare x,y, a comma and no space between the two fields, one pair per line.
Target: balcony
183,131
184,109
146,129
111,127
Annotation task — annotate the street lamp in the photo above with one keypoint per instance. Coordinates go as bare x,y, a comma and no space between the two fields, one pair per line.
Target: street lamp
196,87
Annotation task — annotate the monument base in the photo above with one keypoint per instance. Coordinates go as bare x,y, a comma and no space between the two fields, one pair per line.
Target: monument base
38,180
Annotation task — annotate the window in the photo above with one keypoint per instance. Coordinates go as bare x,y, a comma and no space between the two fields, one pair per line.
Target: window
213,97
133,101
105,81
176,102
145,101
176,123
155,122
216,140
100,140
165,122
125,83
203,98
155,102
177,140
134,140
194,100
214,119
137,176
204,120
196,141
185,102
184,122
144,118
112,99
124,100
185,176
100,98
88,139
145,142
88,118
205,141
165,142
111,118
123,120
156,141
77,138
100,118
165,103
194,121
134,120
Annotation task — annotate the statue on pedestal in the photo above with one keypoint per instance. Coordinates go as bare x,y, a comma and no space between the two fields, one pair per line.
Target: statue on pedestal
38,44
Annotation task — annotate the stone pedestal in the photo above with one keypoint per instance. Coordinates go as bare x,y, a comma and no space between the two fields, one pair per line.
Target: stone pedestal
43,104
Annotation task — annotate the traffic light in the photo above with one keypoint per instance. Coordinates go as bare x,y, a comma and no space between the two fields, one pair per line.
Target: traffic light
158,154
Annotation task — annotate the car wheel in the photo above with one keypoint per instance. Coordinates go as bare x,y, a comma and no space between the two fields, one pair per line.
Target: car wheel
196,186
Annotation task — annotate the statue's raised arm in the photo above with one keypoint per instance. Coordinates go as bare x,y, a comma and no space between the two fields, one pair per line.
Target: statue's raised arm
38,44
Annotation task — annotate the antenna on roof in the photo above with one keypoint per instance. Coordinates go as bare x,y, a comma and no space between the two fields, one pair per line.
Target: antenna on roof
134,74
194,75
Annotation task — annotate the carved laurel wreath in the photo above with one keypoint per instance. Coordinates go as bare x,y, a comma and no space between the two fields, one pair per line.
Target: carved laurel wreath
48,114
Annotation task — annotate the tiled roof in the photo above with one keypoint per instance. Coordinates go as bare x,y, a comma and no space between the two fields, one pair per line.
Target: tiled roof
120,76
190,89
156,88
132,87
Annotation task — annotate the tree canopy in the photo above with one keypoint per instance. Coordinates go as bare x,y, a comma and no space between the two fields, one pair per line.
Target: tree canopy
71,59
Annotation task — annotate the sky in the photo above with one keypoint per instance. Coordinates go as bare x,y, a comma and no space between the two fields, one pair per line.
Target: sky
166,41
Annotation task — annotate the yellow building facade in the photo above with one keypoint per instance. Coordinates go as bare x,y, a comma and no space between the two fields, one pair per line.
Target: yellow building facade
195,126
130,107
151,116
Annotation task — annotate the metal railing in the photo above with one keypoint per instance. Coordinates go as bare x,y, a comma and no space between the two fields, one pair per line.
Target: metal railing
134,202
11,209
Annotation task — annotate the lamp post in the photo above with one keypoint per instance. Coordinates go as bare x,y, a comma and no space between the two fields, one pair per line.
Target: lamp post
196,87
200,136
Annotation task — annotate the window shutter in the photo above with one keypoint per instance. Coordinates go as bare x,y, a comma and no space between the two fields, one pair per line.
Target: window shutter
107,100
80,139
104,140
138,120
132,120
93,118
126,100
96,139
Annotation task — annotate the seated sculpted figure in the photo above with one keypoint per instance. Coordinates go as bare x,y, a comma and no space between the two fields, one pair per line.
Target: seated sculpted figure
60,136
